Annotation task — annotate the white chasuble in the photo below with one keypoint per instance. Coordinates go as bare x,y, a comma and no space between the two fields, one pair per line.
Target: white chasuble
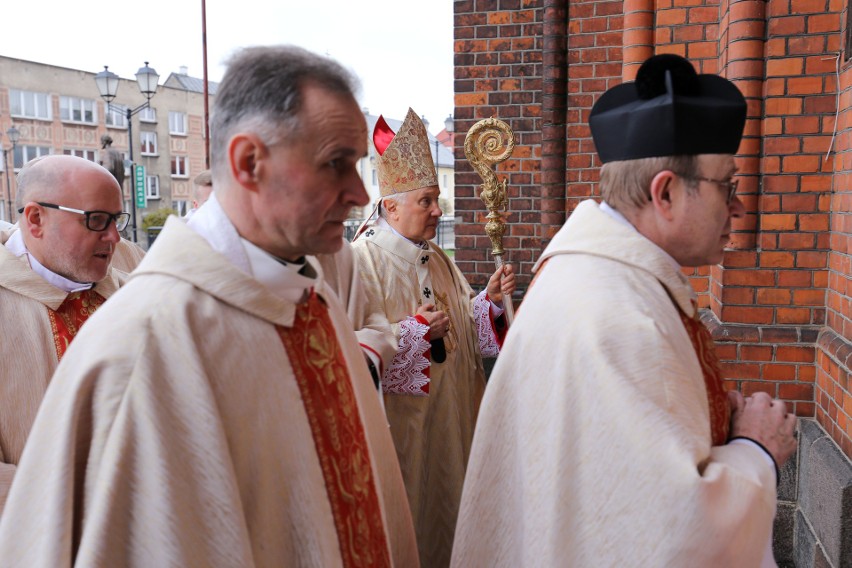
594,446
175,432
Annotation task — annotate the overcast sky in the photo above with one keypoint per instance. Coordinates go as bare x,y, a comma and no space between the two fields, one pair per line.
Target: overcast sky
400,49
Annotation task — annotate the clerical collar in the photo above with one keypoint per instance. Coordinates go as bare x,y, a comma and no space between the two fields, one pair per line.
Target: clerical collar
298,265
382,222
288,280
285,281
16,246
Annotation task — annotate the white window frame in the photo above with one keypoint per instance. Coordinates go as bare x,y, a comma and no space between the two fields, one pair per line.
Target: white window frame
152,186
116,116
180,166
75,109
148,138
90,155
148,114
177,123
181,206
27,153
41,109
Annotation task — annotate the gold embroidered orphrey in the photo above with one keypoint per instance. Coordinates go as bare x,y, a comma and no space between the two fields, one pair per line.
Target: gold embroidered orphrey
489,142
442,303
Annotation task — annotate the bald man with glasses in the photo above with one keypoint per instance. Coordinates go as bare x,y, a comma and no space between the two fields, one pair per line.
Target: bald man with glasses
55,271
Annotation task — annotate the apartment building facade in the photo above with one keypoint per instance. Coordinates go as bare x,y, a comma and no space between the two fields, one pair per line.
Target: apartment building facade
57,110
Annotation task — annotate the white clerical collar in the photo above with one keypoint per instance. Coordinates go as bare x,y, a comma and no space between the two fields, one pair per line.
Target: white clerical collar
16,246
618,216
382,222
284,280
213,224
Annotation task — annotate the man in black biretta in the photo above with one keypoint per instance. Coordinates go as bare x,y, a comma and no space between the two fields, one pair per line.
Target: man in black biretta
606,437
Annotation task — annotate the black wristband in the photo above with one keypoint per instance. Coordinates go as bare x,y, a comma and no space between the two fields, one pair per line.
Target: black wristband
373,372
762,447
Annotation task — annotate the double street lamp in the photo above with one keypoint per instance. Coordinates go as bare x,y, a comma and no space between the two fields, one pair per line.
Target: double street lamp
107,82
14,135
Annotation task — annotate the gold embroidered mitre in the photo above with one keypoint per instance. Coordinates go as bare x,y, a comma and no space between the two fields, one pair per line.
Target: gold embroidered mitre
404,160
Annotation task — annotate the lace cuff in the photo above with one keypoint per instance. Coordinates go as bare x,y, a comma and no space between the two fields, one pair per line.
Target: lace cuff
486,327
408,373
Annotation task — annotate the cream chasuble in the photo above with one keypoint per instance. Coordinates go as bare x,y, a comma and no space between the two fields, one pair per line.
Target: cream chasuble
176,432
127,256
593,446
39,320
340,273
431,406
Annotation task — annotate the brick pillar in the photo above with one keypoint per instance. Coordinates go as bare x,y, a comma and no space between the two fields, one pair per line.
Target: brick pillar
742,28
554,108
638,36
498,70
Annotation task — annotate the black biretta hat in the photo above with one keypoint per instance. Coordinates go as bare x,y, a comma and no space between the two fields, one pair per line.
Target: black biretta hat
669,110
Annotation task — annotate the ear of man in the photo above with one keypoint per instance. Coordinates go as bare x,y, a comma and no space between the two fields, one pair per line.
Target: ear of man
246,153
664,193
34,220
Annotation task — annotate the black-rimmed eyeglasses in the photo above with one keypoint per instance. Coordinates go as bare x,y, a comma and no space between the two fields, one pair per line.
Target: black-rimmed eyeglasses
95,220
729,186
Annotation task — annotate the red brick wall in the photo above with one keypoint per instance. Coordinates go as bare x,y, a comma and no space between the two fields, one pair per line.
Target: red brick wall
833,394
498,73
779,304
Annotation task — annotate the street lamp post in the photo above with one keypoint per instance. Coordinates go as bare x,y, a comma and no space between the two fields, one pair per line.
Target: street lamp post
437,143
107,82
13,135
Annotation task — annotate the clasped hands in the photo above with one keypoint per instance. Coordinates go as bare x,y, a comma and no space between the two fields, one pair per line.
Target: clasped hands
501,283
766,421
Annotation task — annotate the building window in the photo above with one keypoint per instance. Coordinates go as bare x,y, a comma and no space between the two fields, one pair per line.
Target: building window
87,154
148,114
181,207
445,181
148,140
177,123
180,166
375,178
152,187
127,163
75,109
116,116
28,104
24,154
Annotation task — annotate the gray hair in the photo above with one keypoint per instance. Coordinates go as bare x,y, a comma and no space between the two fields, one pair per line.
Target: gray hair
626,185
261,92
396,197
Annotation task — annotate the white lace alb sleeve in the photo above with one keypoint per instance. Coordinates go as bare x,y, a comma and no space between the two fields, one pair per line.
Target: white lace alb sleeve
488,345
409,371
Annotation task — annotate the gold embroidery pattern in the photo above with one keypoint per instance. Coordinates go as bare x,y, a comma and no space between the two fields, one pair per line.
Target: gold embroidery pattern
338,434
66,321
406,164
717,398
451,340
